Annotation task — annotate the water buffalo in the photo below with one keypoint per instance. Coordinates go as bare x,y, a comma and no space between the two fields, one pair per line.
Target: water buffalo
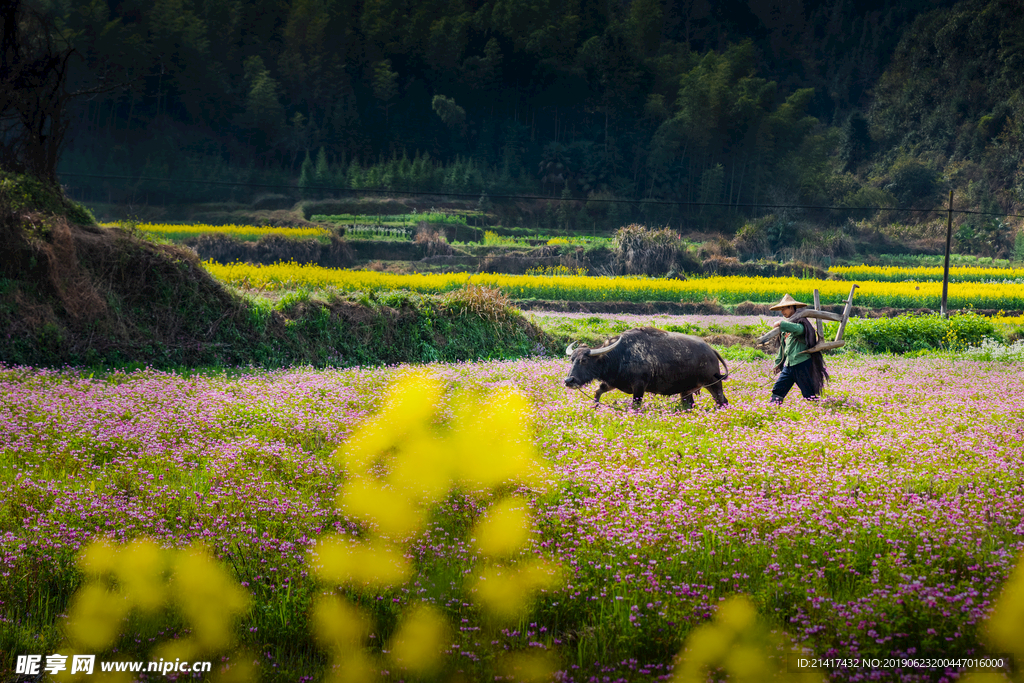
650,360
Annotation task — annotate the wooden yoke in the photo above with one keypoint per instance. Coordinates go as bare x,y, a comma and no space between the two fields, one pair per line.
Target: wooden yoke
824,345
818,325
802,313
818,315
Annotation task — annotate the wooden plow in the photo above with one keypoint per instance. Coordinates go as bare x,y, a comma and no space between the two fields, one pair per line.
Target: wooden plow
818,315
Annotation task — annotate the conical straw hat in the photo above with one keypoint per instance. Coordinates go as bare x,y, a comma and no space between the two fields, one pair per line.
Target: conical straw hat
787,301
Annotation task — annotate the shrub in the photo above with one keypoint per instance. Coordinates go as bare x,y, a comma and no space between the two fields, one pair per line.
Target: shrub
23,194
870,199
718,247
272,202
720,265
355,207
493,239
984,235
912,181
434,243
908,333
556,271
489,303
640,250
760,238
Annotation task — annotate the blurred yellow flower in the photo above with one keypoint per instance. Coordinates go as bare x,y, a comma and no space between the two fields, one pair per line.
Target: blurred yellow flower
339,625
150,579
506,592
96,617
504,530
530,667
98,559
738,644
392,514
141,572
419,642
400,462
1004,628
209,598
339,561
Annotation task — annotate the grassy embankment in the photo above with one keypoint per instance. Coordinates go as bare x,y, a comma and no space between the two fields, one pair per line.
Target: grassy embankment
901,334
74,293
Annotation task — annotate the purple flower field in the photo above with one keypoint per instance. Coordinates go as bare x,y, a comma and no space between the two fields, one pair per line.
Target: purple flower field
880,521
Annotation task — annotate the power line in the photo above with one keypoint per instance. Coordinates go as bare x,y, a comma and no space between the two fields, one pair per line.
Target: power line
472,195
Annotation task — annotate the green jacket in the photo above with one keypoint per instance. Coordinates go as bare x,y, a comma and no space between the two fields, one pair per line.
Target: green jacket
792,344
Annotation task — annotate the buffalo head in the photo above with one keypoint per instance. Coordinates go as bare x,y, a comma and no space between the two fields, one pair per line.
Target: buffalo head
586,363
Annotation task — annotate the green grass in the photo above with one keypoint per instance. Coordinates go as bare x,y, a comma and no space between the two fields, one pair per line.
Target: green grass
402,219
904,334
594,330
913,333
912,260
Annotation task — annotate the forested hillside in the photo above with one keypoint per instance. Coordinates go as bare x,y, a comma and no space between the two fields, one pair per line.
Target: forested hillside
727,103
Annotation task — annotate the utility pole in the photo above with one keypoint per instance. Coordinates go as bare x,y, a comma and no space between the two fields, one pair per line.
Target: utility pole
945,268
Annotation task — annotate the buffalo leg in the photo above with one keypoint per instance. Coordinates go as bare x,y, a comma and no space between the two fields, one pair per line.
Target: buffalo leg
638,399
605,387
718,394
686,401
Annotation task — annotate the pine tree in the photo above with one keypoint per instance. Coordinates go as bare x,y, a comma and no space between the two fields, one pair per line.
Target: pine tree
323,171
856,141
307,177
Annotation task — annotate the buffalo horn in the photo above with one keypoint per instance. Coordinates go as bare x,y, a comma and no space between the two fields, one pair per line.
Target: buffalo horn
605,349
569,349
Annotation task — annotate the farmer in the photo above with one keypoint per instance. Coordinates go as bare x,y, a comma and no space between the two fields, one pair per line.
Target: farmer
792,365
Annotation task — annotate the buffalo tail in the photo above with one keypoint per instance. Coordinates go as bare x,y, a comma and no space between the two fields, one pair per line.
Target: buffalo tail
722,361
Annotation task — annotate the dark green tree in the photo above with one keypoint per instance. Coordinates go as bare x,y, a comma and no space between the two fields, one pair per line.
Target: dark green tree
856,141
307,177
264,115
385,85
34,99
322,173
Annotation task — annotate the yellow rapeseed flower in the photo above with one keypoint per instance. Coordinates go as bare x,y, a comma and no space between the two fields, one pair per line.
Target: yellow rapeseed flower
96,617
1006,624
726,289
338,624
141,573
530,667
419,642
393,514
208,597
426,471
926,273
149,578
737,643
504,530
175,231
408,409
343,629
397,464
339,561
506,592
494,443
98,559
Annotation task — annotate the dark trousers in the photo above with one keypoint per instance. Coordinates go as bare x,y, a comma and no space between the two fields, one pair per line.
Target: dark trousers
800,375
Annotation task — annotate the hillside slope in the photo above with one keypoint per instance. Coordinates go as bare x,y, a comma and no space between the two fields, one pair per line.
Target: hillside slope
75,293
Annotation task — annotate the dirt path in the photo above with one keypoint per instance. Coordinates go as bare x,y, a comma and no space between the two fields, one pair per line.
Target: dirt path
659,319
